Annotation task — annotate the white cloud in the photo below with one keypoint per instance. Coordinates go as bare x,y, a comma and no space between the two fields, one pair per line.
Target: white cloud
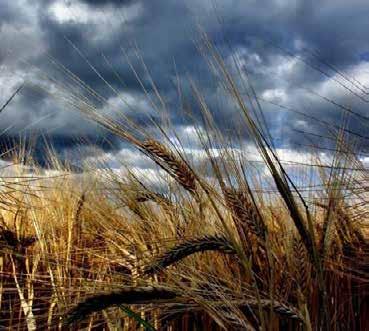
332,89
275,95
81,13
102,22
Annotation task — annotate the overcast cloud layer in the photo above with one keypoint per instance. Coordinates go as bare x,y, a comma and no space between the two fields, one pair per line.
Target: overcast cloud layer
261,34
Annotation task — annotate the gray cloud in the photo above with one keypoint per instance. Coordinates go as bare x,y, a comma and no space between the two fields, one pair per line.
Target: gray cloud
254,31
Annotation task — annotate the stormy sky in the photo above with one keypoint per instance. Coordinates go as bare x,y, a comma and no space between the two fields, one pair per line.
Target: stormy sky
297,54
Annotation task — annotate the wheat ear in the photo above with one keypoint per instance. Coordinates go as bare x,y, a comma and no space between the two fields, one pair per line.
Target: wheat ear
189,247
302,265
279,308
175,166
244,211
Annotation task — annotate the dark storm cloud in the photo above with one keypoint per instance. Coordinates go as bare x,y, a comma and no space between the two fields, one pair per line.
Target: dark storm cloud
261,33
108,2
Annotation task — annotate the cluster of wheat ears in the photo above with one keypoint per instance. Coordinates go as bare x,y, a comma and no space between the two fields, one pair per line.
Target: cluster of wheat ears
212,250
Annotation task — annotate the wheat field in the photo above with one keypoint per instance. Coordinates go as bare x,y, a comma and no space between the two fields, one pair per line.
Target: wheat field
228,243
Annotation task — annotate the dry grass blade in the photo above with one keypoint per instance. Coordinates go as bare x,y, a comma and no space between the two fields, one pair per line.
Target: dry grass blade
128,296
189,247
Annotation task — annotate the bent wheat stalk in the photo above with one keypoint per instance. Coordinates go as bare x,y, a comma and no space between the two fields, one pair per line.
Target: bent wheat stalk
189,247
126,296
